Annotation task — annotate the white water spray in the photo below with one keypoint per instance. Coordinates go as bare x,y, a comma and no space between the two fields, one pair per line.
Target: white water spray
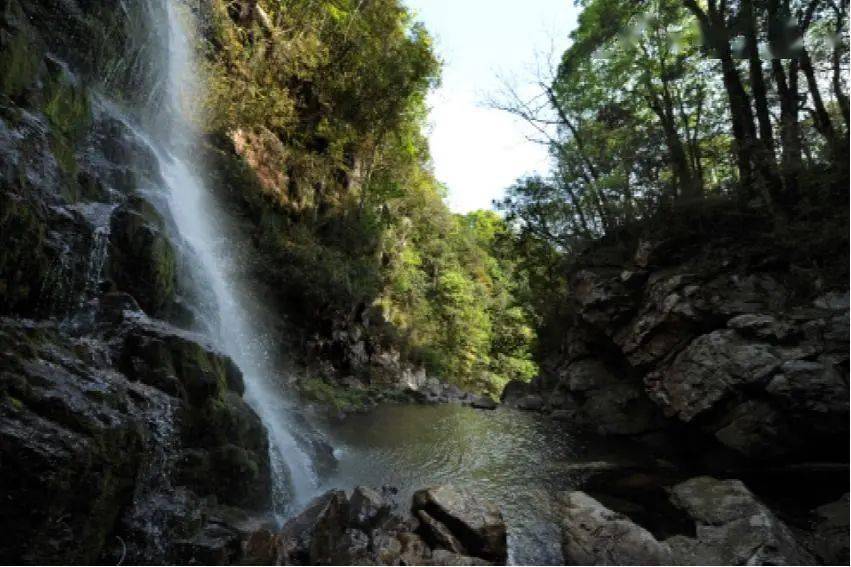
205,229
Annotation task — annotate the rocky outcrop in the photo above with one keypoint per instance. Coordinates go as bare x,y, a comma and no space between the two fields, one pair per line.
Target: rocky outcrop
721,337
476,527
359,529
122,437
731,527
123,431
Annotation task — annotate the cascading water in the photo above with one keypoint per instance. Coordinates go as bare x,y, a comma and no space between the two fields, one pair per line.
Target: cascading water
204,232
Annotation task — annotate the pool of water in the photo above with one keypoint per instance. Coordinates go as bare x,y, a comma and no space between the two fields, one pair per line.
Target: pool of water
517,460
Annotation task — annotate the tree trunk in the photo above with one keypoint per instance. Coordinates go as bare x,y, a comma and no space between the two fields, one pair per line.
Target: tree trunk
790,130
823,122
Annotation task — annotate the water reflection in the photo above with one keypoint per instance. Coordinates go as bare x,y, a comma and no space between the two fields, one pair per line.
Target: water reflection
516,459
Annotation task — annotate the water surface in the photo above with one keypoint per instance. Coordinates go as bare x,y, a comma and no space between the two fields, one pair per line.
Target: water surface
517,460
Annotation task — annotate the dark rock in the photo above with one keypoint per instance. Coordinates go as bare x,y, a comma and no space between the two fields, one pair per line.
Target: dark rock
477,525
437,535
483,402
366,508
733,527
532,402
830,538
513,391
594,535
141,259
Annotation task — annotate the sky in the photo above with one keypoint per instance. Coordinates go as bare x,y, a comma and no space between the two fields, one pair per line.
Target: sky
479,151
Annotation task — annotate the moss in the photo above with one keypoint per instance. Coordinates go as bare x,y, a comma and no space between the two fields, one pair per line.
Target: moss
335,397
66,101
20,52
15,402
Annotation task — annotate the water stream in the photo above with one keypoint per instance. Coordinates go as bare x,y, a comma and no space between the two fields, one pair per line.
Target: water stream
512,458
203,232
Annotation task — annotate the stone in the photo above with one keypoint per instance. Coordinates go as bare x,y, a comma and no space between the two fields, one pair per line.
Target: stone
366,508
513,391
478,525
594,535
483,403
531,402
830,535
732,527
438,535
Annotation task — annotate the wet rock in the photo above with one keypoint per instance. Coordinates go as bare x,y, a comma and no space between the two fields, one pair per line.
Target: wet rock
594,535
531,402
513,391
437,535
732,527
830,537
141,259
71,440
477,525
366,508
483,402
446,557
177,362
306,538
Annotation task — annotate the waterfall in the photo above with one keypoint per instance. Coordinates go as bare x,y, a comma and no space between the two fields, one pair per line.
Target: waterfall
204,233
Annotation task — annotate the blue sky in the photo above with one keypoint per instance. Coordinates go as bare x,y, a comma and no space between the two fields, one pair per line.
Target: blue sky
479,151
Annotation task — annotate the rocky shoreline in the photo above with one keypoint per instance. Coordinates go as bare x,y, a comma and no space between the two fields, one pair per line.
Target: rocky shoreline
725,524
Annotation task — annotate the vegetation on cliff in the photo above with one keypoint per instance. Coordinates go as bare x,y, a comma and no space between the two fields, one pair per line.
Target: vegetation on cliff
666,117
325,105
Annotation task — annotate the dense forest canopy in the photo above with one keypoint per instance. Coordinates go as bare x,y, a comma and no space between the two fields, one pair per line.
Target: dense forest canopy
663,106
332,95
657,106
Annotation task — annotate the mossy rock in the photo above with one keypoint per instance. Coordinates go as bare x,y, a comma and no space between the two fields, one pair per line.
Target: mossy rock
25,260
178,363
142,260
21,50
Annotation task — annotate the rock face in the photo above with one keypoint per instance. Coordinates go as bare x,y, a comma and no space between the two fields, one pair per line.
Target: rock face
337,529
731,527
122,437
115,453
721,337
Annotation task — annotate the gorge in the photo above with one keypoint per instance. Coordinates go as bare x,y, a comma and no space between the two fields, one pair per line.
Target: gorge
239,325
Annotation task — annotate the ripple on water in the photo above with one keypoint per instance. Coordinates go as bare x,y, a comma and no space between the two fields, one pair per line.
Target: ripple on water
515,459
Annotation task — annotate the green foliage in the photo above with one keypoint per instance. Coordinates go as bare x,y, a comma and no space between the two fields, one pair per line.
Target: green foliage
325,103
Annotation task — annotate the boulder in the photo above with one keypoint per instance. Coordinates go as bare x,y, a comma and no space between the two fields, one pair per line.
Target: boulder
732,527
477,525
513,391
594,535
483,403
366,508
437,535
830,535
531,402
